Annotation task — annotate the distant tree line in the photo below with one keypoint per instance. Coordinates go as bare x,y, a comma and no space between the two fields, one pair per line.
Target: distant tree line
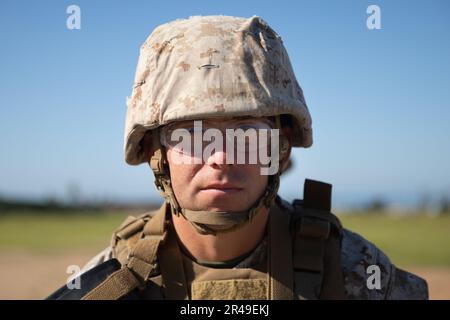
56,206
424,205
8,205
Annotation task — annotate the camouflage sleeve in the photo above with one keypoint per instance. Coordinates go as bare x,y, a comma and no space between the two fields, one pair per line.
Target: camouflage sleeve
369,274
101,257
406,285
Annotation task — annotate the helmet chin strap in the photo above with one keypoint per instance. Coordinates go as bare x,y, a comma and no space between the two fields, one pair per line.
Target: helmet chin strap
213,222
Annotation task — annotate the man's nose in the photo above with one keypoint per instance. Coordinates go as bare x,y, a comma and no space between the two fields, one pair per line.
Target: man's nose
218,158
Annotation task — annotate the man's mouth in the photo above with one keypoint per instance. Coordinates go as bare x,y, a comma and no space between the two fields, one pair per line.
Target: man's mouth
222,188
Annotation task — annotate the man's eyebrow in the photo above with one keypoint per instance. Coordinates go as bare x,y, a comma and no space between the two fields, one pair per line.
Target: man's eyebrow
209,121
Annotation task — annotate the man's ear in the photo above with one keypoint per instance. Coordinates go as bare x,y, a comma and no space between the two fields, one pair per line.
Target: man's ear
147,145
286,162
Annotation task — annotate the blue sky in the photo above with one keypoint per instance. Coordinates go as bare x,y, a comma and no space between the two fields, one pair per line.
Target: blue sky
379,99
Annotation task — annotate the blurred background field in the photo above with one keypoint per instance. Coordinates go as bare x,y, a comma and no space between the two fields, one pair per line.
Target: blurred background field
36,248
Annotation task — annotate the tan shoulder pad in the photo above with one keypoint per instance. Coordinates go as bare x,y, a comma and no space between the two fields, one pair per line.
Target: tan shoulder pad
128,233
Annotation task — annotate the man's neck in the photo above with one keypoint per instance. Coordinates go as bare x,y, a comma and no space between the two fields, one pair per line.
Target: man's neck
224,246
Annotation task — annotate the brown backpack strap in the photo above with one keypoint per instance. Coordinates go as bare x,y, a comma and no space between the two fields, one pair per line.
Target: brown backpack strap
116,286
141,263
316,248
142,259
317,195
280,274
172,269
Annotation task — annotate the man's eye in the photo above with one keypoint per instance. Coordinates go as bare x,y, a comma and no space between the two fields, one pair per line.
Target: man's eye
246,127
193,130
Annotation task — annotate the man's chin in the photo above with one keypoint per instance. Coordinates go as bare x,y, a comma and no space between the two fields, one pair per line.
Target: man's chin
225,202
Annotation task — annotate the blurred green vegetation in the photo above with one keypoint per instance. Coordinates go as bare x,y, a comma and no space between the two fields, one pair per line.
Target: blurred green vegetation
415,240
408,240
56,232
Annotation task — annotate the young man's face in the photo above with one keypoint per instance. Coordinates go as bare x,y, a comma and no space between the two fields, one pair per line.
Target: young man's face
214,185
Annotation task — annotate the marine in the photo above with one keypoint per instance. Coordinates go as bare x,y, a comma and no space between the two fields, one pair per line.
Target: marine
223,232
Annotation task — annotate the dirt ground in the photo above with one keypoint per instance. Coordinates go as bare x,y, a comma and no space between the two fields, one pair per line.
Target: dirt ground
438,281
35,276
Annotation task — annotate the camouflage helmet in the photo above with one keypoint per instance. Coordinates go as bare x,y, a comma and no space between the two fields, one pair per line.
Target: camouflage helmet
212,66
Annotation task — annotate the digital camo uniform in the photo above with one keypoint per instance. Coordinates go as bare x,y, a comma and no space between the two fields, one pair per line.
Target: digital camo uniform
218,66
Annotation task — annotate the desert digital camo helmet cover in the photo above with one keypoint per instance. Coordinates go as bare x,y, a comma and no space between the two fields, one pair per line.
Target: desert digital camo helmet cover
212,66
